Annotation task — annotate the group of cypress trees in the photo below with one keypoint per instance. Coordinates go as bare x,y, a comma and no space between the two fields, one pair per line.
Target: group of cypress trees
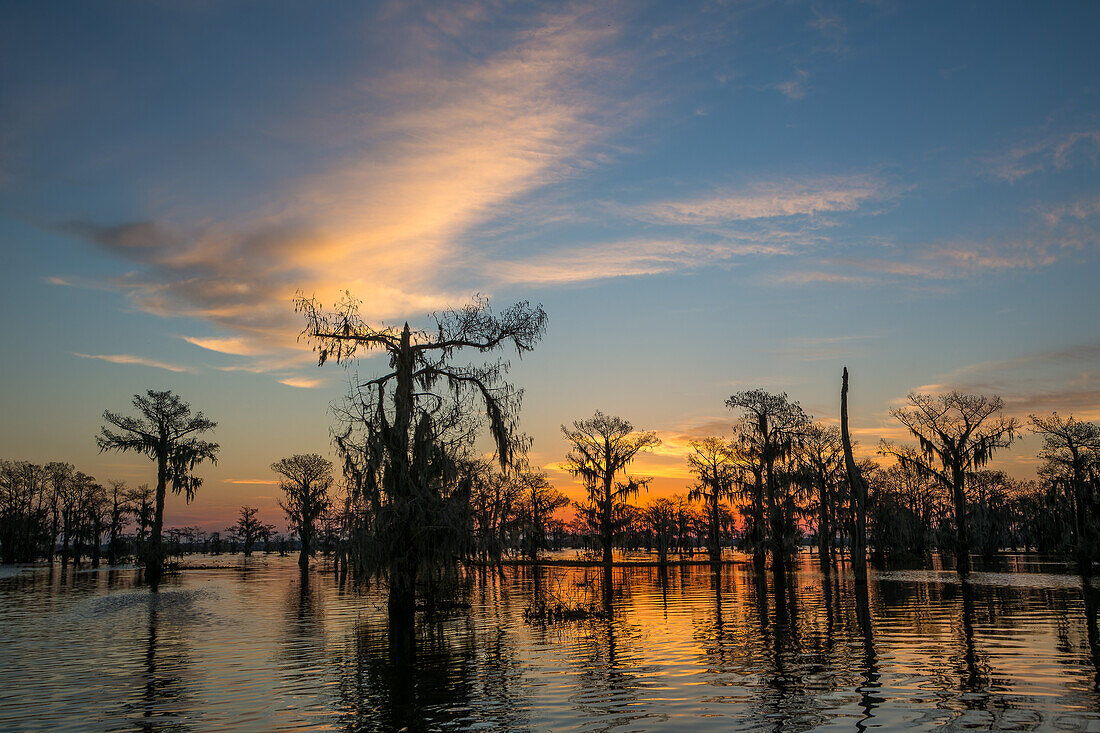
790,480
55,512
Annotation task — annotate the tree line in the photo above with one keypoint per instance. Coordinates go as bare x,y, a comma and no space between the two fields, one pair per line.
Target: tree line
58,514
54,509
780,481
419,497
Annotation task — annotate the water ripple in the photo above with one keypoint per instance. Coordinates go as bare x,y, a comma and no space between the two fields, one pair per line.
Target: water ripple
686,650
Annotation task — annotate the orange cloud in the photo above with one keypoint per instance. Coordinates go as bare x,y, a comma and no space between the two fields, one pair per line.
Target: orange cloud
302,382
235,346
439,147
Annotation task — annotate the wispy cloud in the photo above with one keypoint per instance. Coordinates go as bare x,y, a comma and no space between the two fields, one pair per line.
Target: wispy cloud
135,360
832,29
958,260
1051,151
768,200
1085,208
943,261
250,481
630,258
1064,379
85,283
796,87
805,277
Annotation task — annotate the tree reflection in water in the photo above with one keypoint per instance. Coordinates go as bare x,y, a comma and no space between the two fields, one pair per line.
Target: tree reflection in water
793,658
869,683
975,678
696,648
162,703
609,676
1092,633
458,675
304,654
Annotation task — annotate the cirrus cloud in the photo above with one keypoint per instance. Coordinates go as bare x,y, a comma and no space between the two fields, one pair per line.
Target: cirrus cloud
136,360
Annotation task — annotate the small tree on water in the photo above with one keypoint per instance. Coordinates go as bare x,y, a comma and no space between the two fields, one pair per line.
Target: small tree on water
120,508
249,529
715,465
306,480
165,431
601,448
535,511
768,434
957,434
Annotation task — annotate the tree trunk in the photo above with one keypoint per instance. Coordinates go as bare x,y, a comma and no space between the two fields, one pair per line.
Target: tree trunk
402,571
154,561
759,560
715,543
65,541
112,541
775,520
97,534
857,488
1080,500
606,530
303,558
823,536
55,520
962,539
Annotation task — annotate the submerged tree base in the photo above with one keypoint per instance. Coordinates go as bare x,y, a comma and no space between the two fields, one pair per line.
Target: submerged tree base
581,563
558,601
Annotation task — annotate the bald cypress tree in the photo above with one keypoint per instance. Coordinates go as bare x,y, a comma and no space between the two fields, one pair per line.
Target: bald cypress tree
956,435
715,465
164,430
821,464
1073,447
407,433
769,432
306,480
601,447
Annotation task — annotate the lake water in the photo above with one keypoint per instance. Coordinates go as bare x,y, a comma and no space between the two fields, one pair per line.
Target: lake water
696,651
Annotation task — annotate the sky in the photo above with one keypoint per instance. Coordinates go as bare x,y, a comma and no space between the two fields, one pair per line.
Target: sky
706,197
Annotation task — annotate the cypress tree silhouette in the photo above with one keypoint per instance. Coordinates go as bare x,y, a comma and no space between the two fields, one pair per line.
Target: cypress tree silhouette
165,431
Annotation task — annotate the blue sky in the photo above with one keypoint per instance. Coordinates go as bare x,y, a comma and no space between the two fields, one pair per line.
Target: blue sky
706,197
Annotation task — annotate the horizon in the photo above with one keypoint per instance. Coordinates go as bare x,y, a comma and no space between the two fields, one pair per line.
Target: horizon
705,199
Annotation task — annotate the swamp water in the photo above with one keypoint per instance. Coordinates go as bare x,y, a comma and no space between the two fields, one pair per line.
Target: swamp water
690,650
